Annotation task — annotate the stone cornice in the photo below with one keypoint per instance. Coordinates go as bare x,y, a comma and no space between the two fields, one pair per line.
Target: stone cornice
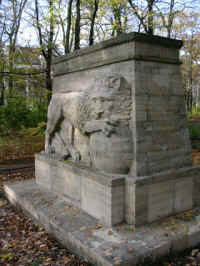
123,38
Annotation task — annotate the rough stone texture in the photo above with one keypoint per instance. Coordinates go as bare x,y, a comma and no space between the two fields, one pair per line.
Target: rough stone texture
161,134
93,126
151,68
153,197
101,245
149,48
100,195
114,199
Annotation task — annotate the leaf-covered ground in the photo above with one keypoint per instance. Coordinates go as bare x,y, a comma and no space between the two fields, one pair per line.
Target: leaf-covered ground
20,147
24,244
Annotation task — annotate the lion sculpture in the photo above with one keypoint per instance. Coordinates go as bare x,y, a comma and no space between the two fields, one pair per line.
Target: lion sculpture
93,126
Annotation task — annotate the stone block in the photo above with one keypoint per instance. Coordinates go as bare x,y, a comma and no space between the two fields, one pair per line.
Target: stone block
43,174
99,194
160,200
196,191
150,198
183,194
103,202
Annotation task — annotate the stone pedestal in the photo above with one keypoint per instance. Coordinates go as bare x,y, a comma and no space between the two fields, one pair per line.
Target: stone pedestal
100,195
161,180
115,199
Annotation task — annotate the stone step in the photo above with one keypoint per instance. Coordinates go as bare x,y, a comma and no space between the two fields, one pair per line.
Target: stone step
101,245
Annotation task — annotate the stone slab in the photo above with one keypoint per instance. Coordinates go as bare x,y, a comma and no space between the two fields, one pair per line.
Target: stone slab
101,245
117,50
99,194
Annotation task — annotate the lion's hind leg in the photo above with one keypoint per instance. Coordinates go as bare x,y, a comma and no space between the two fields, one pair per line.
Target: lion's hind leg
54,118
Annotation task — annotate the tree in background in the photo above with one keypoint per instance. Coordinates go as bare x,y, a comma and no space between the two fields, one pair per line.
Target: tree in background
93,13
12,12
144,12
66,25
187,28
46,34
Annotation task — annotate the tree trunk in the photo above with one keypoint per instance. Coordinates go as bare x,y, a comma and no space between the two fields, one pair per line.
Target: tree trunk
2,96
11,67
77,26
150,17
91,36
48,80
69,23
50,53
170,19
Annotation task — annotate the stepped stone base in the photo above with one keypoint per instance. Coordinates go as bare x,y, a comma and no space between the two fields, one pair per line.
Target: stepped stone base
113,198
102,245
100,195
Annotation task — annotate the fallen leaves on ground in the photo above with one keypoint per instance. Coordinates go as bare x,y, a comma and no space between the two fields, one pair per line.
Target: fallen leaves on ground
24,243
14,146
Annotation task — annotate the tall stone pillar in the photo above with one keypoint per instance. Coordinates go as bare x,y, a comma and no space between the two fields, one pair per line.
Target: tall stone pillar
160,131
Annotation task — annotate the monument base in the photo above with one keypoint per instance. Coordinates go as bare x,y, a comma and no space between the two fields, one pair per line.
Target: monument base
102,245
114,199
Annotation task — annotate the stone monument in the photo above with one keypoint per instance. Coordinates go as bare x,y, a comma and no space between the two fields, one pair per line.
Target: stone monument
117,144
118,111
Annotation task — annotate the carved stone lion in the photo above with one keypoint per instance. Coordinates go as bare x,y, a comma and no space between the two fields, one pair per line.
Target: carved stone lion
93,126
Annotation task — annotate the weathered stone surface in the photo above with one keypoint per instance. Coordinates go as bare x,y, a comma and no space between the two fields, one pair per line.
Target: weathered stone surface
100,195
93,126
148,48
101,245
150,198
114,199
151,102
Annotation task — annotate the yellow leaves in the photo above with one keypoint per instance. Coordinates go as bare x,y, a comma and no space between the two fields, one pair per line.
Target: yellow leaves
6,256
130,228
99,226
96,227
83,228
189,214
